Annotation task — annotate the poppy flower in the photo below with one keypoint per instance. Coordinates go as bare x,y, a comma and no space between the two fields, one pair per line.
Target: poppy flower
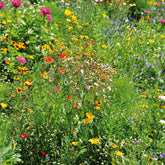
24,135
69,98
76,106
57,90
43,153
48,59
62,71
63,55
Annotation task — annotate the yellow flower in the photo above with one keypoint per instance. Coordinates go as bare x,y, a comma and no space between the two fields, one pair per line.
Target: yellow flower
87,23
31,57
162,36
16,78
68,12
19,90
28,82
87,37
30,111
151,41
119,153
90,115
12,95
75,143
97,107
75,39
103,46
3,105
4,49
15,144
144,106
74,17
114,146
94,140
104,15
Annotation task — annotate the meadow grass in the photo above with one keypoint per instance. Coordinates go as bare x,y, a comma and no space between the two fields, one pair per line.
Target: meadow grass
83,86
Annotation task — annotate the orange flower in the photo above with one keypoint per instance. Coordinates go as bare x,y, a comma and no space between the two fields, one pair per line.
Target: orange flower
90,115
104,75
87,121
62,71
48,59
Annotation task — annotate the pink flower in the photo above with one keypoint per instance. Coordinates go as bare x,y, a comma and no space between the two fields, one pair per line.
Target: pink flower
57,90
16,3
2,5
42,15
162,21
21,59
148,12
26,107
49,17
45,11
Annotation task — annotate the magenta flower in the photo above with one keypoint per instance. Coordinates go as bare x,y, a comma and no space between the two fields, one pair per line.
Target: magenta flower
16,3
21,59
162,21
45,11
2,5
49,17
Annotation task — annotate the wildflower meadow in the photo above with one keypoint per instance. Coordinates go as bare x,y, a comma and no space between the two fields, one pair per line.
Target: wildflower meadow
82,82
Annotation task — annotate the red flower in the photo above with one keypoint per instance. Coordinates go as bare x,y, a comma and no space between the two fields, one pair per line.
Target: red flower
43,153
48,59
76,106
87,43
62,71
63,55
57,90
24,135
69,98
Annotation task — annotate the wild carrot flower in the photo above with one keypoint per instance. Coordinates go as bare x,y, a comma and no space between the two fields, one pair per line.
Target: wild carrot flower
2,5
3,105
21,59
16,3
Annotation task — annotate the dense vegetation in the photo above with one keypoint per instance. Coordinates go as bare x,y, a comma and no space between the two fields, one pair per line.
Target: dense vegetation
82,82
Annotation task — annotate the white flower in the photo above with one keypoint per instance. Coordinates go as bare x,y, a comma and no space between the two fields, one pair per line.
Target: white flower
162,121
162,98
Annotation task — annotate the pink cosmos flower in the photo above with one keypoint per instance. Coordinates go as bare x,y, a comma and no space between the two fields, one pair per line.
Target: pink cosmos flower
45,11
21,59
162,21
2,5
57,90
16,3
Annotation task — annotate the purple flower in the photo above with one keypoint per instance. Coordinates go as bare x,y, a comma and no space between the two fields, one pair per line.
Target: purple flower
162,21
45,11
137,142
21,59
2,5
1,160
155,157
16,3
